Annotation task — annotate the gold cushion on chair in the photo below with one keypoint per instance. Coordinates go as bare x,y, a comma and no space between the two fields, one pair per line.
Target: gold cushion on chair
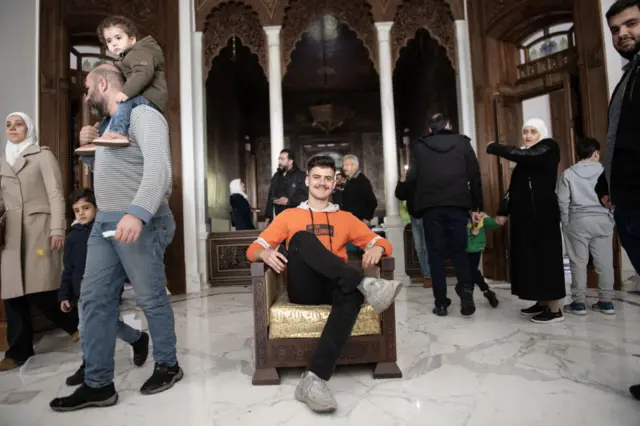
288,320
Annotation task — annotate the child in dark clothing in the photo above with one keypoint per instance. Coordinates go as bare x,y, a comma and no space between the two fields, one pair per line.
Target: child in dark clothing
476,242
75,255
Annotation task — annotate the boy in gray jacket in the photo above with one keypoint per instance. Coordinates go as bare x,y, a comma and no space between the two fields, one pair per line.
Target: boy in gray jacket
588,228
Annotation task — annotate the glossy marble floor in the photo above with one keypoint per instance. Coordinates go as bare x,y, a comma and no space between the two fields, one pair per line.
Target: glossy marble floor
494,369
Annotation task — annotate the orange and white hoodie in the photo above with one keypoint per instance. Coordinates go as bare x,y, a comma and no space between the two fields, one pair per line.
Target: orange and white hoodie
333,227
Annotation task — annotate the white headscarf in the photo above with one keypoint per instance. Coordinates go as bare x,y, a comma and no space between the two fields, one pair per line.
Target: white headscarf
14,150
235,188
539,125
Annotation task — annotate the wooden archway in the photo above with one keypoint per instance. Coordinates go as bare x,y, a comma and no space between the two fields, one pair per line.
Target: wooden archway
233,19
433,15
354,13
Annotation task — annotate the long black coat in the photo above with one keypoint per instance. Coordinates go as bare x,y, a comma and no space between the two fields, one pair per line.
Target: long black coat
537,271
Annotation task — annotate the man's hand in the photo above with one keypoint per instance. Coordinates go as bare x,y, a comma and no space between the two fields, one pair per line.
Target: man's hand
88,134
477,216
282,201
274,259
65,306
57,242
121,97
501,220
372,256
403,175
128,229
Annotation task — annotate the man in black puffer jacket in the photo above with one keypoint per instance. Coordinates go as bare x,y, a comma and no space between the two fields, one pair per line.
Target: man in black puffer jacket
446,175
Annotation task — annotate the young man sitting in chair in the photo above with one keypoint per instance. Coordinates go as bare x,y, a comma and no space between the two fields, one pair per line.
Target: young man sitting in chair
316,233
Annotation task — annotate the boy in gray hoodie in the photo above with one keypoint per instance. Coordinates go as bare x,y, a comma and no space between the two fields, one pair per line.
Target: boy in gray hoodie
588,228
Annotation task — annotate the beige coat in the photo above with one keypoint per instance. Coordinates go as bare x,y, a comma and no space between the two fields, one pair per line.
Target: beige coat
32,196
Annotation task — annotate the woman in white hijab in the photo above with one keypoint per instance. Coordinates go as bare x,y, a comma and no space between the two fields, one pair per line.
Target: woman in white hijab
241,216
537,270
32,202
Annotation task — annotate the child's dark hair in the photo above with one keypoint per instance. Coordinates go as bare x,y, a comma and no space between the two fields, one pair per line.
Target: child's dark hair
85,194
323,161
121,22
586,147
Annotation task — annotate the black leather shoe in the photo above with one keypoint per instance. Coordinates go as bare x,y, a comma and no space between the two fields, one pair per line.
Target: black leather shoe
85,397
141,350
78,377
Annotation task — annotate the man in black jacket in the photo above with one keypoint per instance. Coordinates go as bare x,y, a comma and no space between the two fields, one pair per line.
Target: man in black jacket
288,188
622,153
446,175
358,197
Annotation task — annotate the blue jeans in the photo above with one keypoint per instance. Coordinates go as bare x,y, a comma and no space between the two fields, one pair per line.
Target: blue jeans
121,119
417,229
109,262
125,332
628,225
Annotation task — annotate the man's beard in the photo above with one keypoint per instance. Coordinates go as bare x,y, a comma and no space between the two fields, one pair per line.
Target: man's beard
98,108
629,54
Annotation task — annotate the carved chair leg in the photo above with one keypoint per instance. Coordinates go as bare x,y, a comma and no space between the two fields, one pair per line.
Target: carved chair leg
265,376
387,370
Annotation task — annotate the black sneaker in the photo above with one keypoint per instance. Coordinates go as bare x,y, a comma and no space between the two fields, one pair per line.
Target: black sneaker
548,317
635,391
141,350
490,295
163,378
533,310
468,307
78,377
441,311
85,397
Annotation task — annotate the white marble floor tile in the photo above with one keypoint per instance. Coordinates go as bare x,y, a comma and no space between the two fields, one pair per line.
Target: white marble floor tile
495,368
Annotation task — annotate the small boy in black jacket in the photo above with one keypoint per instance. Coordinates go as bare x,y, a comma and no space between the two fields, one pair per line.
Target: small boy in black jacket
83,202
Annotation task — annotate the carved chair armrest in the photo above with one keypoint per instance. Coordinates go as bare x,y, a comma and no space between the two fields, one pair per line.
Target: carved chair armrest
384,269
266,283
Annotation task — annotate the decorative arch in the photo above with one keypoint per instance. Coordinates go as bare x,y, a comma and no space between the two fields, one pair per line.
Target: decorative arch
356,14
270,12
433,15
233,19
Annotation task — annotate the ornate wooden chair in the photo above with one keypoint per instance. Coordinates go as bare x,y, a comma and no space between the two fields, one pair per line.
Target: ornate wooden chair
287,334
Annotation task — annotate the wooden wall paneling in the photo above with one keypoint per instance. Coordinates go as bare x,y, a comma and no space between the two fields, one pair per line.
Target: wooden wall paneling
591,65
228,263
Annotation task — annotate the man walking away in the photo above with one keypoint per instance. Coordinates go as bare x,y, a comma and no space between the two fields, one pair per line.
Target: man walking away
446,175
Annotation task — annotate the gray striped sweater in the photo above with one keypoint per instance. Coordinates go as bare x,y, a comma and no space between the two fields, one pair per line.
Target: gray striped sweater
135,179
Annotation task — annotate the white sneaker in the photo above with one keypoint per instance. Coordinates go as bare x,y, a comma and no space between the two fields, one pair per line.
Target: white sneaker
314,392
380,293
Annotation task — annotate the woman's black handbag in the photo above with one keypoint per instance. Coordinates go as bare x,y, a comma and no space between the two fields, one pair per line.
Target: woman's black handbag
503,210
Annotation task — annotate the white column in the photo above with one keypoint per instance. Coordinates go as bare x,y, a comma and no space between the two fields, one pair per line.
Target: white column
393,224
200,142
275,94
188,143
466,102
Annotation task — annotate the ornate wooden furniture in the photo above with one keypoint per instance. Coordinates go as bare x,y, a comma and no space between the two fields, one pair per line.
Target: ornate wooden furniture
279,345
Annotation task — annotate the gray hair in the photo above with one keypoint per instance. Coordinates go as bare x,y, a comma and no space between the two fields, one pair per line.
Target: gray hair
352,158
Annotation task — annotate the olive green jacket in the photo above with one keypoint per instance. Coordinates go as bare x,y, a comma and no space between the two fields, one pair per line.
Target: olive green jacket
143,67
